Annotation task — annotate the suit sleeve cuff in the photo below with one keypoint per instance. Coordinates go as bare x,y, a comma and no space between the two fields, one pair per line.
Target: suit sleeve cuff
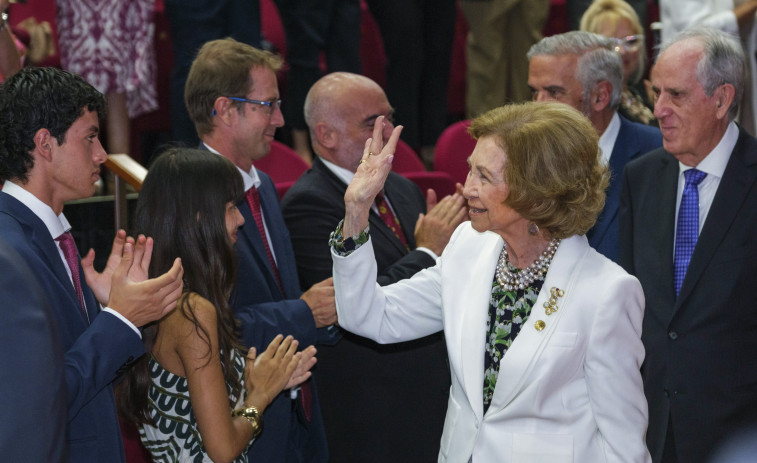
427,251
123,319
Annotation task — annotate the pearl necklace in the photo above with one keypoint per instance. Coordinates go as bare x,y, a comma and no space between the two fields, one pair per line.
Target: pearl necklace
510,280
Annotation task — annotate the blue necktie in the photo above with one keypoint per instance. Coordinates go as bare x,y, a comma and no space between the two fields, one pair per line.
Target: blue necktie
687,231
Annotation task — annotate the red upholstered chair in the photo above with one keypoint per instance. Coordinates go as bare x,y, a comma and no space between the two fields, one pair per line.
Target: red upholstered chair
440,182
406,159
452,151
283,165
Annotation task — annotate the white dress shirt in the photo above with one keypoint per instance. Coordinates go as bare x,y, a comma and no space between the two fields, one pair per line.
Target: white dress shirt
714,166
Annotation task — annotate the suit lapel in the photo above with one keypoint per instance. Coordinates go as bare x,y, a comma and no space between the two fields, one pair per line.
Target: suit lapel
526,349
469,317
255,244
280,241
625,149
46,249
659,222
738,179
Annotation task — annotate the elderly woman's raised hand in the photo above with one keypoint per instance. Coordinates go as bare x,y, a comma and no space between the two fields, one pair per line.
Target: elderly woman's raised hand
369,178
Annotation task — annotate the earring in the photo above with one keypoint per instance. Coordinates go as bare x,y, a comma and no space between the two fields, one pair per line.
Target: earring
533,229
214,113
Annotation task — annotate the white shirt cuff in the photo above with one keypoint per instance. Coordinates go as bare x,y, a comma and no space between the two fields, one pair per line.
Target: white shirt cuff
428,251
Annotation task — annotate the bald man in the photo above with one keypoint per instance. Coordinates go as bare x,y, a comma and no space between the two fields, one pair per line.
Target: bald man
380,403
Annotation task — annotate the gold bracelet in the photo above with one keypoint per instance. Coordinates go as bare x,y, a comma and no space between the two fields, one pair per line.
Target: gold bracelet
252,415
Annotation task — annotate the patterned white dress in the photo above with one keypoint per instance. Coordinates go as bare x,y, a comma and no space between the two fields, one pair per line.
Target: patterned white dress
110,44
175,436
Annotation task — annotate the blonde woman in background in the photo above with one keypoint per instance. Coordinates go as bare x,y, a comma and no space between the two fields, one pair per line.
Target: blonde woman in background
618,20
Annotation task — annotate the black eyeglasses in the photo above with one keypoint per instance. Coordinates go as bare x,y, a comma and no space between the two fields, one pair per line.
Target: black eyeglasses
270,106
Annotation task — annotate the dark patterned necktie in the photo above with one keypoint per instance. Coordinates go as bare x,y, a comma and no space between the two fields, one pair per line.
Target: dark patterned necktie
68,246
388,217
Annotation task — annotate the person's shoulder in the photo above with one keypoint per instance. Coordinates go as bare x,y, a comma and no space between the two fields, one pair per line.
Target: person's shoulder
310,189
646,134
192,310
648,159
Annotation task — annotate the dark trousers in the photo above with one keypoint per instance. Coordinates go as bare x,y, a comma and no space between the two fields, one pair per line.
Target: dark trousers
194,22
417,37
312,27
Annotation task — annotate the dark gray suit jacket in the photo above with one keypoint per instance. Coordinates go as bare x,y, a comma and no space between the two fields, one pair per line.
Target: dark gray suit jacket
701,348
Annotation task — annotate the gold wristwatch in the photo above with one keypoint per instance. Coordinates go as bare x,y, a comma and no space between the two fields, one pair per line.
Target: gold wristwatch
252,415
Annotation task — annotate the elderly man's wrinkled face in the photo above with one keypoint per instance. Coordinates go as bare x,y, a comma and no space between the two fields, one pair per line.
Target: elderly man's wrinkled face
690,121
553,78
360,106
486,190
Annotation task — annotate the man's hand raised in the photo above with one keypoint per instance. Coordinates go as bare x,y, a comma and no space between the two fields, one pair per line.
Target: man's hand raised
135,297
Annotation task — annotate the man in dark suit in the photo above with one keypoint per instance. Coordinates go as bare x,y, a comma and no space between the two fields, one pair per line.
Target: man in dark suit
381,403
233,99
31,364
582,70
688,215
49,154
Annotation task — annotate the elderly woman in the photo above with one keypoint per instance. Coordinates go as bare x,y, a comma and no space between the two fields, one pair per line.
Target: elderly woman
618,20
543,332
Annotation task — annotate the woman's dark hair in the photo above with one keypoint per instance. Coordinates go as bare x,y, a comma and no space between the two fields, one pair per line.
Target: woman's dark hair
182,206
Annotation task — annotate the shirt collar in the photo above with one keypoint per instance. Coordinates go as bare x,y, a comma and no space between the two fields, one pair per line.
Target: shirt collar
56,224
714,163
344,175
250,179
609,137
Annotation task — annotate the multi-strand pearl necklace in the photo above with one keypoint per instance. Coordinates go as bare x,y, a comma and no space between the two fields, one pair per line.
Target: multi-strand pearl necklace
510,280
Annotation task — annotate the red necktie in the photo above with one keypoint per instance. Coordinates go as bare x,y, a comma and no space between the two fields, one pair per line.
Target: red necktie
253,199
386,214
67,245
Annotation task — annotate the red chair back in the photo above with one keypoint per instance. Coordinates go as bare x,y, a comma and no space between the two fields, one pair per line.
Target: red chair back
282,164
440,182
452,151
406,159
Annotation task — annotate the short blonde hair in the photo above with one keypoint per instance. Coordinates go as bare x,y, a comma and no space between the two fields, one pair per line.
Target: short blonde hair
611,12
552,168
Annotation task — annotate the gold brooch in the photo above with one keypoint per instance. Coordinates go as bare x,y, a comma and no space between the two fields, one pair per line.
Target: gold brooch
550,306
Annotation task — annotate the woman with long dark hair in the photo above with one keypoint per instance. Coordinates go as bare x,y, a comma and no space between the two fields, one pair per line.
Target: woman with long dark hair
195,398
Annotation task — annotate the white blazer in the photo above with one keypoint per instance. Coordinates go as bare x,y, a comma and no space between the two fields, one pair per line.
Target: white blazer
571,392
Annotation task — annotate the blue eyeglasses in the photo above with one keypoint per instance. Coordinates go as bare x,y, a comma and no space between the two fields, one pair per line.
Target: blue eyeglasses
270,106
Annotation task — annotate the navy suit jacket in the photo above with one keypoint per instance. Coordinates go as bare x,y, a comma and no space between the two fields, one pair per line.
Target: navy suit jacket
31,365
264,311
700,370
633,140
380,402
96,351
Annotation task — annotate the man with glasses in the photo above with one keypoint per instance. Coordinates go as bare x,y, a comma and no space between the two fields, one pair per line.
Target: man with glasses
376,398
232,97
583,70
